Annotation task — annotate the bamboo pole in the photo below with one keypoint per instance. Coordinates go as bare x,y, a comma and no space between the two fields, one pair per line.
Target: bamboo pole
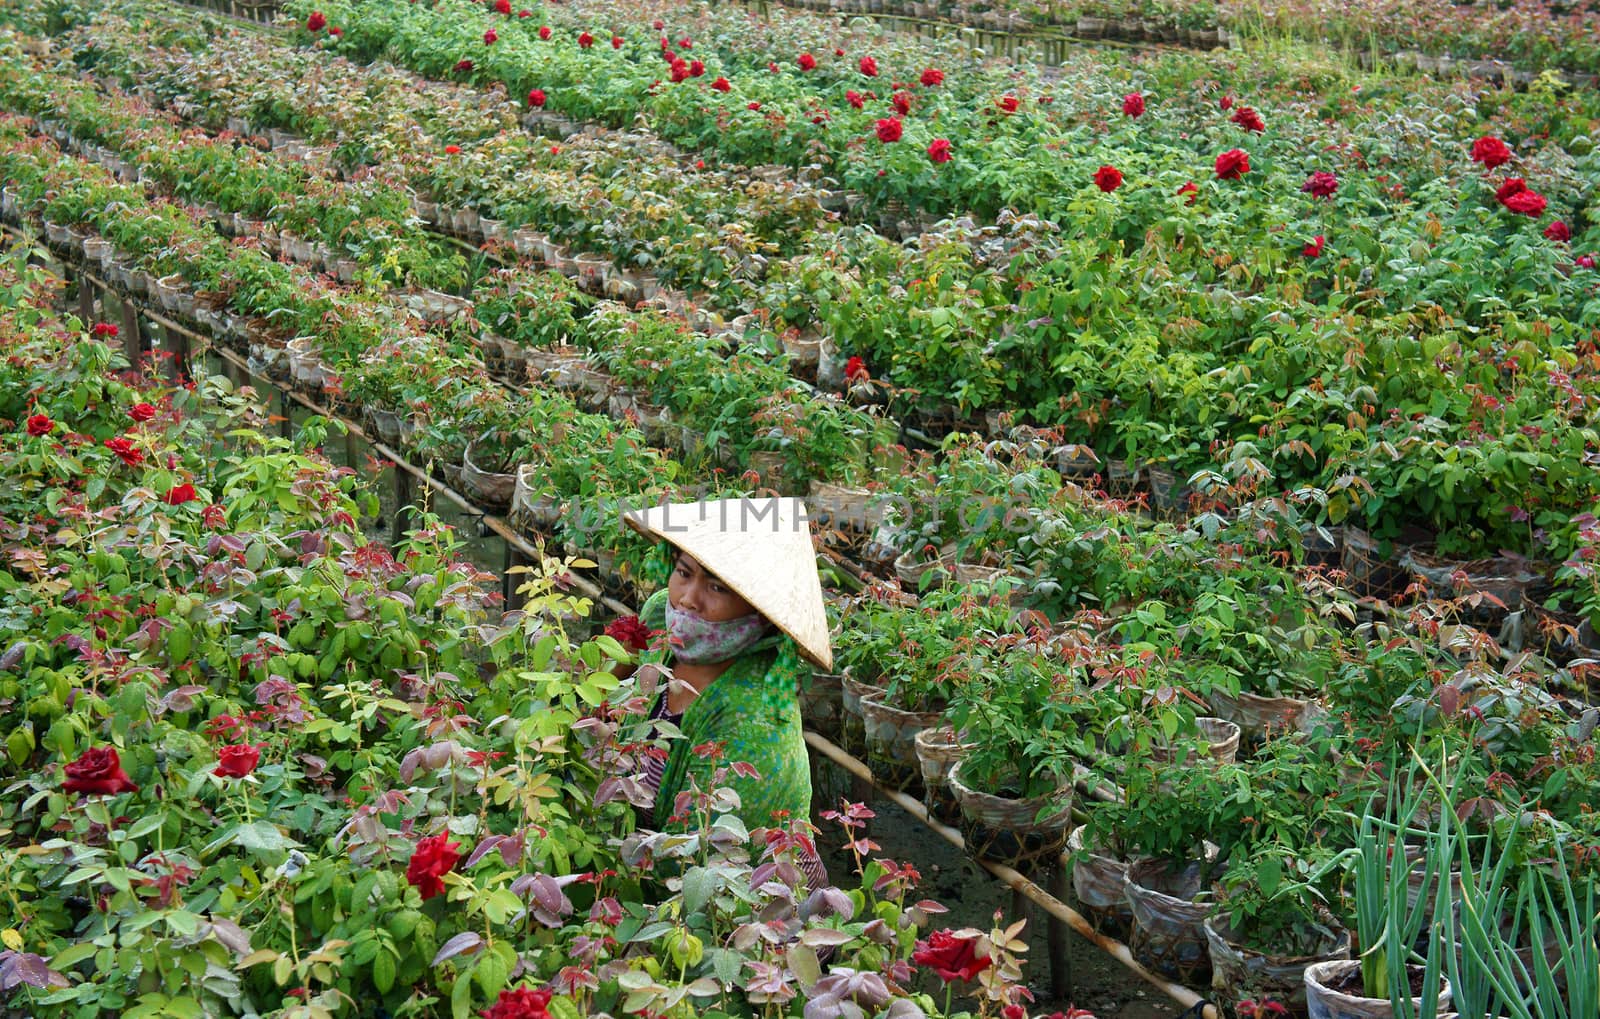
1019,883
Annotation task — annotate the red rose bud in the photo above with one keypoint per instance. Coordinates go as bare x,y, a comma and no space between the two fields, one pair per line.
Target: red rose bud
721,85
98,771
104,330
855,99
807,62
686,44
679,71
1314,248
536,98
544,31
772,66
901,101
1008,103
464,66
1233,164
1491,152
180,494
1558,231
1133,104
658,24
336,31
869,67
585,40
616,42
889,129
696,69
316,22
1191,190
1321,184
1526,203
237,761
939,150
931,77
630,632
433,858
754,106
1108,179
452,150
838,52
490,37
1584,262
522,1003
1511,186
503,6
1227,103
141,412
40,424
1249,119
524,13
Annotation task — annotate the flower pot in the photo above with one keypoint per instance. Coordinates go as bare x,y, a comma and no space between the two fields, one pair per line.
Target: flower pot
386,424
591,272
653,421
1328,995
426,211
305,366
95,249
1077,463
769,466
822,703
844,507
938,750
1097,883
492,490
167,290
1367,572
1256,715
1239,972
853,727
525,241
1090,28
1016,832
891,734
492,229
57,234
436,307
464,221
1167,500
1505,578
1322,547
1222,740
915,573
1168,933
803,348
531,512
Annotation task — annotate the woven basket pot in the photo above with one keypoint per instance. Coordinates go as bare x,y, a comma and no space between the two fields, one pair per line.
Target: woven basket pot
1019,833
1168,932
891,734
493,490
530,512
937,752
822,704
1256,715
1239,972
1222,739
1097,882
853,723
1323,1002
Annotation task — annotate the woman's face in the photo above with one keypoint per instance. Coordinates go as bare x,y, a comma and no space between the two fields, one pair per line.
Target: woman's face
692,589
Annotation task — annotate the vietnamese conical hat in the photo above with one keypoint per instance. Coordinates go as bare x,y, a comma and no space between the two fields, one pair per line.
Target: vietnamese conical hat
761,549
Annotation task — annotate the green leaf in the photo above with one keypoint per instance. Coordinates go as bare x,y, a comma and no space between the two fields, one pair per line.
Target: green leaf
699,884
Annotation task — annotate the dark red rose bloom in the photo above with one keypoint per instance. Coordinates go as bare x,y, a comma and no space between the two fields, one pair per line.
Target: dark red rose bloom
1249,119
104,330
141,412
807,62
1191,190
658,24
452,150
616,42
536,98
931,77
754,105
939,150
856,369
1014,1012
630,632
544,31
1321,184
1313,248
901,101
1584,262
772,65
1133,104
1511,186
696,68
98,771
1108,178
126,451
855,99
40,424
1226,103
503,6
336,31
524,13
464,66
1008,103
889,129
1233,164
686,43
722,85
180,494
951,957
869,67
316,22
1526,203
490,37
237,761
1558,231
434,857
1491,152
585,40
679,70
521,1003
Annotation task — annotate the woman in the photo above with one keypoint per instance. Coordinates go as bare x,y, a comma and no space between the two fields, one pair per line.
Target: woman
743,614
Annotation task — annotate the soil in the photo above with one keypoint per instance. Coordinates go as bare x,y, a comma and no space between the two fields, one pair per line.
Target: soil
1350,984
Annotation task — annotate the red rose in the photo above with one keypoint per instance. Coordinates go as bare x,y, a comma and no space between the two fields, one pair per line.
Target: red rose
630,632
1321,184
772,66
1314,248
316,22
1249,119
754,105
855,99
1108,179
536,98
1491,152
889,129
1133,104
1008,103
953,958
237,761
1511,186
462,66
1527,203
522,1003
1233,164
931,77
98,771
1584,262
807,62
1226,103
869,67
616,42
679,70
104,330
544,31
524,13
434,857
490,37
40,424
901,101
658,24
125,450
180,494
1558,231
838,52
141,412
696,68
686,44
939,150
336,31
855,369
1014,1012
585,40
503,6
721,85
1191,190
452,150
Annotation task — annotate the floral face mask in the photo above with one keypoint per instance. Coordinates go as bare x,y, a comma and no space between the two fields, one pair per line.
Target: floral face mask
697,641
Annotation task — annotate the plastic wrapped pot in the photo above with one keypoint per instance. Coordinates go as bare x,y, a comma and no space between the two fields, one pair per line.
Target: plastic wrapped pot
530,512
911,569
386,423
845,507
1097,882
853,727
1169,917
1328,996
938,750
891,733
1368,572
1239,972
1221,737
1016,832
822,703
1256,715
492,489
